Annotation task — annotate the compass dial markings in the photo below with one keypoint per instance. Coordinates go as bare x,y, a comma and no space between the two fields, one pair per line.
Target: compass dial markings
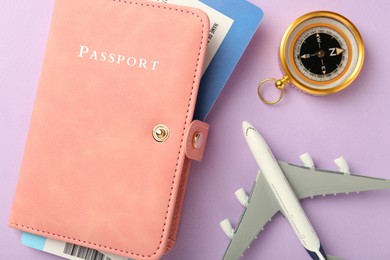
321,53
318,36
335,51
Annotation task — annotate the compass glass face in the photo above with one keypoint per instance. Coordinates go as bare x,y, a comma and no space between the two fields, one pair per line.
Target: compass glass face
321,53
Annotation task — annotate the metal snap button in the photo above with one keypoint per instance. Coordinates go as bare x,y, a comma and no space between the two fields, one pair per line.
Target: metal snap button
197,140
160,133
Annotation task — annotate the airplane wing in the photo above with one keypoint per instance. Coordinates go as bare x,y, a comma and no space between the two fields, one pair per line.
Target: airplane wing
308,182
261,206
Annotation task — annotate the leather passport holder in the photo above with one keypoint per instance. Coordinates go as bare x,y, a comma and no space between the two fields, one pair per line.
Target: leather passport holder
111,135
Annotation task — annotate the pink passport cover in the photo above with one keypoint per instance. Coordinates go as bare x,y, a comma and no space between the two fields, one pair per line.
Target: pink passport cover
92,174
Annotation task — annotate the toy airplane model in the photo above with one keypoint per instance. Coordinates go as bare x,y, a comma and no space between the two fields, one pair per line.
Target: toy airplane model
279,187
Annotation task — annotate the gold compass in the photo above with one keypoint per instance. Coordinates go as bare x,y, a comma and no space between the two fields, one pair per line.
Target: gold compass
321,53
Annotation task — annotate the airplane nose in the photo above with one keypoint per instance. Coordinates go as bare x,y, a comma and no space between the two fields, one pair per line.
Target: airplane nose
245,126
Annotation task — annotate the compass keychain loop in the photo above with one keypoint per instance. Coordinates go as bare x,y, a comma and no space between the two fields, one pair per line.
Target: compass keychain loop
279,84
321,53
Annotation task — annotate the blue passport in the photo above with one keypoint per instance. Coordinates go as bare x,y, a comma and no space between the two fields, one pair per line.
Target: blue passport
246,19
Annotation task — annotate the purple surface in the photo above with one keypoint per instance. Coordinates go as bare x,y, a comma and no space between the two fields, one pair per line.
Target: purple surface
354,123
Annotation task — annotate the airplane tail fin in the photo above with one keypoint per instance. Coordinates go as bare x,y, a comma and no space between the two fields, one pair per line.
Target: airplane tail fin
329,257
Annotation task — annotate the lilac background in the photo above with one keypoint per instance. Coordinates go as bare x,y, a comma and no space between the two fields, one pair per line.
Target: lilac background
354,123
